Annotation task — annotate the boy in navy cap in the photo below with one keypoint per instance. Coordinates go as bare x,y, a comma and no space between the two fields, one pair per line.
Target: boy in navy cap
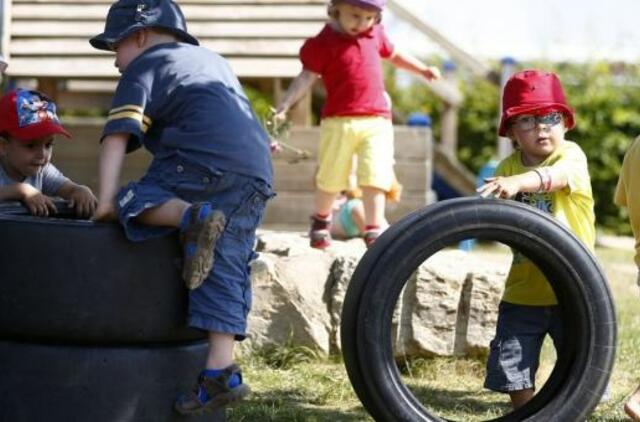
210,176
28,126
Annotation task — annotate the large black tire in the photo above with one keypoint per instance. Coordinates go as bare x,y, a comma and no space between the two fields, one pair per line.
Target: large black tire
76,281
583,367
76,384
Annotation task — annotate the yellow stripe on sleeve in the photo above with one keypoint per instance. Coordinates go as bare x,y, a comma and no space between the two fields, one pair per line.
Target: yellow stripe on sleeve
129,107
125,115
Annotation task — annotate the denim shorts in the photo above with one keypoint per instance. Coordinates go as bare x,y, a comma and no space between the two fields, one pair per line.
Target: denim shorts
514,353
223,301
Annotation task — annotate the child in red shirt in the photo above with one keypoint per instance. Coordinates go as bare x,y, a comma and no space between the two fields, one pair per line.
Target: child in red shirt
356,117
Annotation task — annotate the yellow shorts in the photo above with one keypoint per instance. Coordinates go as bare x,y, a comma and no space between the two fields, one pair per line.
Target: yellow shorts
369,138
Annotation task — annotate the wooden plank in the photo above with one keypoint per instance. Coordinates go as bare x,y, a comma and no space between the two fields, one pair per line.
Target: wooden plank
299,177
81,47
211,12
296,207
103,67
451,170
411,143
85,101
78,159
5,28
91,86
180,2
220,29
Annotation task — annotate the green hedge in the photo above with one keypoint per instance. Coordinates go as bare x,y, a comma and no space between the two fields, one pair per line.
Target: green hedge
606,98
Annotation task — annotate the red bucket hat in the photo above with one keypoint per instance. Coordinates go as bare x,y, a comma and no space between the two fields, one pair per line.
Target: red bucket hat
27,115
365,4
533,92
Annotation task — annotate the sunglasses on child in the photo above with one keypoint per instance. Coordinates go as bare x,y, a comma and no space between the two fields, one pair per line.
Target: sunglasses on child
530,122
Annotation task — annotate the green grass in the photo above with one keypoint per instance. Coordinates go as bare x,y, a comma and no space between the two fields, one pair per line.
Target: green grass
298,384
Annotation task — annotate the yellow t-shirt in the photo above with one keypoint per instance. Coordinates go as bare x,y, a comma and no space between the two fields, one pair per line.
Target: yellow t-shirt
628,190
573,206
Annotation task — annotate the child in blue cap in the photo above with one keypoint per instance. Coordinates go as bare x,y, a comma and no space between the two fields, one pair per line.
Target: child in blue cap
210,176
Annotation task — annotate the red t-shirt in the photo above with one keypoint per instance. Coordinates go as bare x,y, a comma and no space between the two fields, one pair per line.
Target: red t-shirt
351,69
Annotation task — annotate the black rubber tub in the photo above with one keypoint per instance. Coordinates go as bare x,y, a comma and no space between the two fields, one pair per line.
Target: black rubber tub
80,282
59,383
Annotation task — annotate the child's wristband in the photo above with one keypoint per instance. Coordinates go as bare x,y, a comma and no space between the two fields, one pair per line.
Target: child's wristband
546,180
541,186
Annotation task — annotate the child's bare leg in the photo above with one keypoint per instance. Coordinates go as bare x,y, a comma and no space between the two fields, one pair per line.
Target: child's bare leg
323,202
375,222
220,350
220,384
520,398
632,406
168,214
374,203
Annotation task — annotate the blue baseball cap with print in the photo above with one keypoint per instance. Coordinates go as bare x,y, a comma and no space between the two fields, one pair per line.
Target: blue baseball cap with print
127,16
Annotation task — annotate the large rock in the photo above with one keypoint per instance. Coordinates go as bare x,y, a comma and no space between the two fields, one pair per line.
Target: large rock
429,306
449,305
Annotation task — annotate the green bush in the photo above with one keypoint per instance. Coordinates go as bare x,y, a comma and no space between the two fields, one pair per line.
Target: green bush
606,98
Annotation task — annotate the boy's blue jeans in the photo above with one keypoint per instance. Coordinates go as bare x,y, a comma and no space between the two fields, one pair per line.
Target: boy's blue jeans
223,301
514,353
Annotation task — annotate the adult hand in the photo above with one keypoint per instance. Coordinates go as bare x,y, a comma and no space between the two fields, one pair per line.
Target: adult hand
83,201
37,203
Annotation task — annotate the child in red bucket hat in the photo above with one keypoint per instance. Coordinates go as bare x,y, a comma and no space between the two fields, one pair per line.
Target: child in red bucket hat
28,125
550,173
356,118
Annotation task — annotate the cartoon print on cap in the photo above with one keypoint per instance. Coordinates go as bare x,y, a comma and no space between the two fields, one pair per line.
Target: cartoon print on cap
32,109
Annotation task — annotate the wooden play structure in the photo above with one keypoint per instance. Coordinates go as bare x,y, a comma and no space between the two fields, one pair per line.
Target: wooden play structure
46,45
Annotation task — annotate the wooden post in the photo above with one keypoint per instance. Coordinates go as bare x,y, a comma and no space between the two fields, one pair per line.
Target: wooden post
278,91
49,86
300,113
449,118
504,147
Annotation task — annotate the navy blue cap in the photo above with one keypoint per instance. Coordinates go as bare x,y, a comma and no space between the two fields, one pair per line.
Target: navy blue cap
127,16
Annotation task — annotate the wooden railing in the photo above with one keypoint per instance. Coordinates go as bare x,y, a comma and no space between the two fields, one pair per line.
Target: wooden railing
78,159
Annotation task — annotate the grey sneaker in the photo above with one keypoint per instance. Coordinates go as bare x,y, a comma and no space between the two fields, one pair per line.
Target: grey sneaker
199,242
218,390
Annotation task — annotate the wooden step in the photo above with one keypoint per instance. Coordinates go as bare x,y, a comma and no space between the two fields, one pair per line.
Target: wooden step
77,47
294,208
103,67
214,12
87,29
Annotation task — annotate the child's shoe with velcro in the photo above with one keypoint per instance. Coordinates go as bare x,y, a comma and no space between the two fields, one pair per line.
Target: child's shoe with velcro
201,227
320,232
213,392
